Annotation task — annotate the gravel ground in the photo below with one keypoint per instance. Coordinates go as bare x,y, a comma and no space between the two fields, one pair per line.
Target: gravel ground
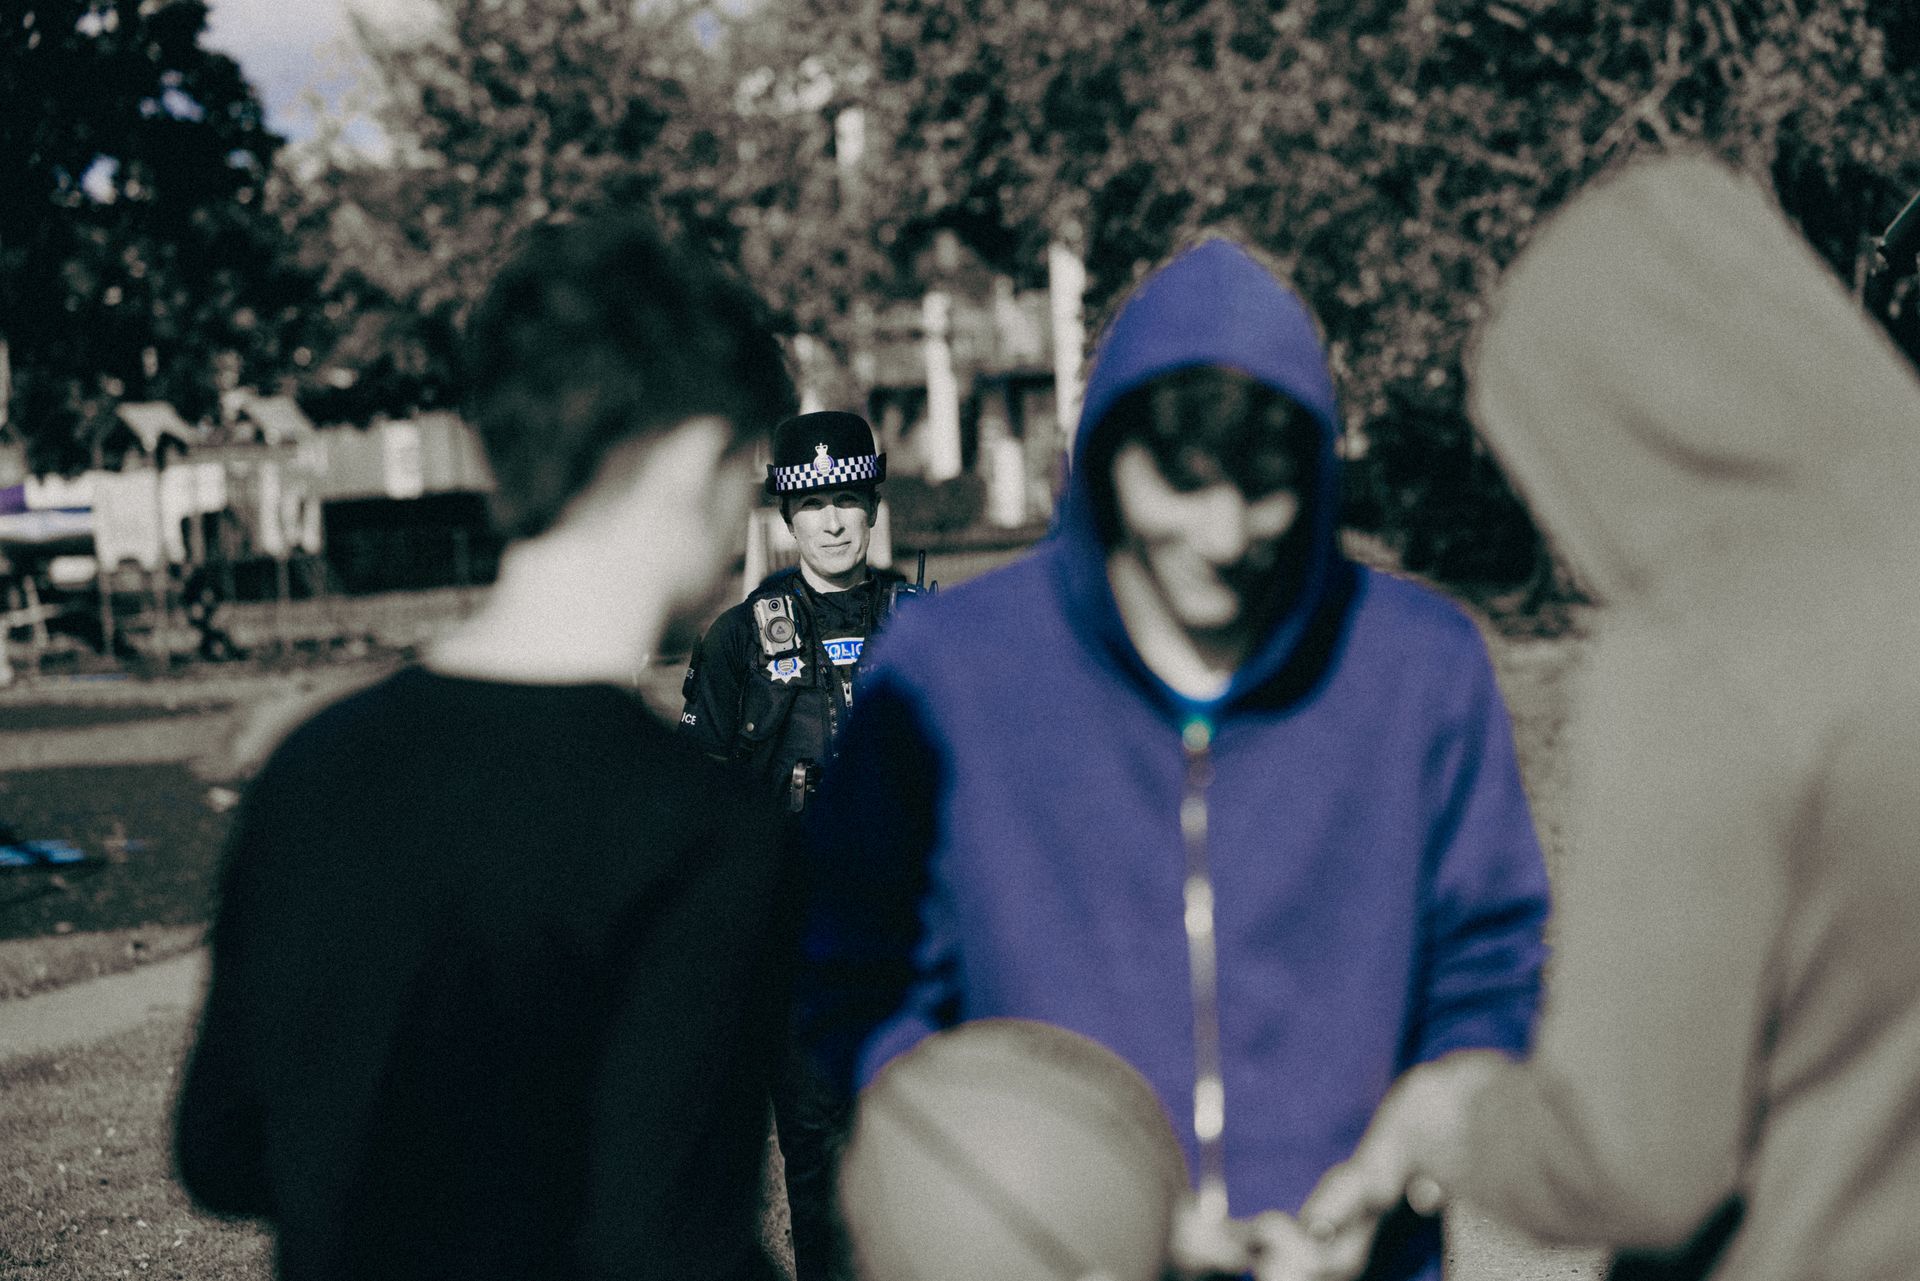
138,773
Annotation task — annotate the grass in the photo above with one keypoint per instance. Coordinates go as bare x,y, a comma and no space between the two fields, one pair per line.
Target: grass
85,1185
85,1188
155,830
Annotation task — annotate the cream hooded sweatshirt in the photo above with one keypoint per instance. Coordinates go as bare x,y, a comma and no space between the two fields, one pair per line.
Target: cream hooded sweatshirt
1728,453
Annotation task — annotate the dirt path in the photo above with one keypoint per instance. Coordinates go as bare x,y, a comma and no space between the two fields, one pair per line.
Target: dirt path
103,1007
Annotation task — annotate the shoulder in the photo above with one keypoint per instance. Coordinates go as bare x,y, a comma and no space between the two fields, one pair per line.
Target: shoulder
734,625
733,616
1869,807
1395,599
1401,614
965,617
779,583
1420,648
364,714
307,749
881,586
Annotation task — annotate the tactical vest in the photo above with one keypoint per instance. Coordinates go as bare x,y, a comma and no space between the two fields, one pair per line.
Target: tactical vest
789,716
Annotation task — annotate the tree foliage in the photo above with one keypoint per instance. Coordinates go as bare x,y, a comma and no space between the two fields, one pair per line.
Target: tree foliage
137,245
504,114
1390,155
1393,157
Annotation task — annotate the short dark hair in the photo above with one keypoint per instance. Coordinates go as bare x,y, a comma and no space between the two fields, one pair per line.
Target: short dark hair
602,331
1204,424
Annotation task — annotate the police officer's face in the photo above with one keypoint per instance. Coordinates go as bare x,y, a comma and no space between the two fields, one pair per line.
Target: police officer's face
833,528
1209,549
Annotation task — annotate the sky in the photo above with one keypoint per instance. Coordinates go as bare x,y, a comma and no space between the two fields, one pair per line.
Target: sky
292,50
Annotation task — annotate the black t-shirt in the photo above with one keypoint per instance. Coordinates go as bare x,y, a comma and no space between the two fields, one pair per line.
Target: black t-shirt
499,983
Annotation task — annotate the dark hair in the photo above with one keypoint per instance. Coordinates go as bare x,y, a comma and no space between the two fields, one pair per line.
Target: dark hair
599,332
1204,424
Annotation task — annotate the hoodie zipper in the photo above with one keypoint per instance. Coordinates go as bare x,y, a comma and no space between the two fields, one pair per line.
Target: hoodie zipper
1209,1090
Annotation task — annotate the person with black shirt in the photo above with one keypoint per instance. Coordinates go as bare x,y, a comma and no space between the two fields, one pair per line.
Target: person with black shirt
500,970
774,678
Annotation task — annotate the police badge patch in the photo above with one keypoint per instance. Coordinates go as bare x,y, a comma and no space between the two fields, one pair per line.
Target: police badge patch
786,669
846,651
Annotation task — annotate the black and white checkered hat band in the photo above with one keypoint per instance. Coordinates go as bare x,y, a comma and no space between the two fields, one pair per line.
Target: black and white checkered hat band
863,469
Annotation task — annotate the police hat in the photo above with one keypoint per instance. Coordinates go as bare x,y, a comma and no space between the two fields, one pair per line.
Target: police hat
825,450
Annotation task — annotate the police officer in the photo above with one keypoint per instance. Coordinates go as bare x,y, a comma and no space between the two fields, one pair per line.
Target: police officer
768,688
773,679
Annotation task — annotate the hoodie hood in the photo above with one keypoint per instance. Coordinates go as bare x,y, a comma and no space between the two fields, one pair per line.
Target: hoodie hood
1211,305
1698,415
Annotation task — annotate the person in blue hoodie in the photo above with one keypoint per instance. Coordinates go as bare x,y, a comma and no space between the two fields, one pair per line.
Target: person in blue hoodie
1187,781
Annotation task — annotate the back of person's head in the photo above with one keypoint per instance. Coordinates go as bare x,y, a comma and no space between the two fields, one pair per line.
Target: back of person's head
601,332
1201,425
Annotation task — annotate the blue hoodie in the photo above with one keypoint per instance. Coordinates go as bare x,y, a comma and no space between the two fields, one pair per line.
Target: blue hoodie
1001,835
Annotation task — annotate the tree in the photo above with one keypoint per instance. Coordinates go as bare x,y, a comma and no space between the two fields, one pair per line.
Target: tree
1473,121
504,114
1392,155
136,245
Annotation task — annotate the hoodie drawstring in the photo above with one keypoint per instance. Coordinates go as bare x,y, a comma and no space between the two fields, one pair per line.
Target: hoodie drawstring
1209,1089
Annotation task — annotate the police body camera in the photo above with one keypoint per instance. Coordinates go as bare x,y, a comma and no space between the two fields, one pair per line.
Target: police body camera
779,630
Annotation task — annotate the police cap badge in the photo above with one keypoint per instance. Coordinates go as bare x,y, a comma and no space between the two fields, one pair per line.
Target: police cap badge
825,450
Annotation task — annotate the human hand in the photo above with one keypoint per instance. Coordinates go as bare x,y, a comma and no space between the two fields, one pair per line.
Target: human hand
1413,1149
1271,1246
1283,1250
1206,1242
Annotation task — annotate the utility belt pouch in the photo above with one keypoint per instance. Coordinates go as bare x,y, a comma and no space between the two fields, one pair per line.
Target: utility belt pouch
778,624
801,785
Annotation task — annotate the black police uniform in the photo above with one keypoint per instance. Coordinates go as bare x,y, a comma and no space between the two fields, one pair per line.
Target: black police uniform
768,689
772,698
773,679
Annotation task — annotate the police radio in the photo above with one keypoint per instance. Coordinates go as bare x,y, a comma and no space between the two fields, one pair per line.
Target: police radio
898,592
774,620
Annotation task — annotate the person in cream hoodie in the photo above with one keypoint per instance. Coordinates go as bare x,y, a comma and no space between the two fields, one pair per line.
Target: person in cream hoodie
1727,452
